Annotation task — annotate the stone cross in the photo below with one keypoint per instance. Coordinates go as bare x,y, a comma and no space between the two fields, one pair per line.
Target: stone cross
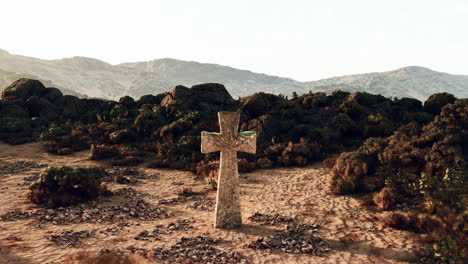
228,141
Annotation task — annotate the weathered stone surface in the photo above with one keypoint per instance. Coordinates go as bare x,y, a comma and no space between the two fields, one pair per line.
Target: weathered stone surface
24,88
228,141
208,97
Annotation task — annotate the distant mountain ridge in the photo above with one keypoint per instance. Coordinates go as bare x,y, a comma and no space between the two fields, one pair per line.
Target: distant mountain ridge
96,78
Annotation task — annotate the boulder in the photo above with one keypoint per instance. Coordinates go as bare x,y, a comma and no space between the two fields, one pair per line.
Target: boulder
151,99
52,94
259,104
24,88
10,109
266,127
40,107
70,106
435,102
209,97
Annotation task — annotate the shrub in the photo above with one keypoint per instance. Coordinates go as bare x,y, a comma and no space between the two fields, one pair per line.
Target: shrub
264,163
396,220
186,191
385,198
99,152
63,186
15,131
121,136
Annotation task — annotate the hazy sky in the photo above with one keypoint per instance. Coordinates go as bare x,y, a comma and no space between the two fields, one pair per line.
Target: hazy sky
304,40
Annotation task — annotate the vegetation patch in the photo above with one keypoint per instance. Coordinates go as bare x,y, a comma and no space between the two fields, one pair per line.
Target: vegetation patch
64,186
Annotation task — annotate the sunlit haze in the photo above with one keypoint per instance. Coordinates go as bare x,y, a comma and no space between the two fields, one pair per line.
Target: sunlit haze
303,40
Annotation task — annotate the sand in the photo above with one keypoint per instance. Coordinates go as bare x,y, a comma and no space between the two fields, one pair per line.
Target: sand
353,232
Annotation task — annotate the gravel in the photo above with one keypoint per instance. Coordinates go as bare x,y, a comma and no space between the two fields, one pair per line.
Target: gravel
179,225
19,166
296,239
92,213
266,219
197,249
203,204
70,238
126,175
128,192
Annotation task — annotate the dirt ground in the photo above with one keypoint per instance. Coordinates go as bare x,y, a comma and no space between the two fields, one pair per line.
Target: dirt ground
353,232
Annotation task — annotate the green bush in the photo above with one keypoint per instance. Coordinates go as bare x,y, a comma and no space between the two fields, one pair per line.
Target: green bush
122,136
64,186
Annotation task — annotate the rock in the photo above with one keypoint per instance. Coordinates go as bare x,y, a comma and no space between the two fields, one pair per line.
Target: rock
295,240
24,88
267,219
40,107
208,97
190,250
52,94
121,179
266,127
70,106
258,104
435,102
10,109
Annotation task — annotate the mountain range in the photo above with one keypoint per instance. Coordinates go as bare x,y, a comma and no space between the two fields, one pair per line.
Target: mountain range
90,77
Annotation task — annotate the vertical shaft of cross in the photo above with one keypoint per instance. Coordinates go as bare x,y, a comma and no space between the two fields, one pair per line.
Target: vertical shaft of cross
228,141
228,210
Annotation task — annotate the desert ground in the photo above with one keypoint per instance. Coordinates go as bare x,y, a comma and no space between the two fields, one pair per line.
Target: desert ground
347,232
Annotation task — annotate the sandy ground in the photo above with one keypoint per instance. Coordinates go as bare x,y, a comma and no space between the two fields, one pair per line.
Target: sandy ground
353,232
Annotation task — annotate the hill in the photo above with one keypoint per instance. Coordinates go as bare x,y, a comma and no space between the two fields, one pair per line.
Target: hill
96,78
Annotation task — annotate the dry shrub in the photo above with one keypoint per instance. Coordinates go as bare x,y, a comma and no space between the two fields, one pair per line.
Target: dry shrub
245,166
51,147
396,220
330,162
99,152
65,151
367,200
207,169
187,191
170,164
103,257
427,224
420,223
385,198
264,163
341,186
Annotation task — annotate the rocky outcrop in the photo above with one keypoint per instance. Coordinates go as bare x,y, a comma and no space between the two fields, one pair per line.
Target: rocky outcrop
258,104
266,127
23,89
209,97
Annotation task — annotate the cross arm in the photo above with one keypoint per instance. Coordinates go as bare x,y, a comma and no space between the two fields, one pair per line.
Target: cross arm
209,142
247,142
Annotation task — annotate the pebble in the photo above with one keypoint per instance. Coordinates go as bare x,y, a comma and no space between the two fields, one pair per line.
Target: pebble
91,212
197,249
70,238
274,219
19,166
296,239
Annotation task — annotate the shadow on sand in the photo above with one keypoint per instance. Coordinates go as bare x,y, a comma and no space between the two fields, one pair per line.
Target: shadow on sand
6,258
384,253
254,230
